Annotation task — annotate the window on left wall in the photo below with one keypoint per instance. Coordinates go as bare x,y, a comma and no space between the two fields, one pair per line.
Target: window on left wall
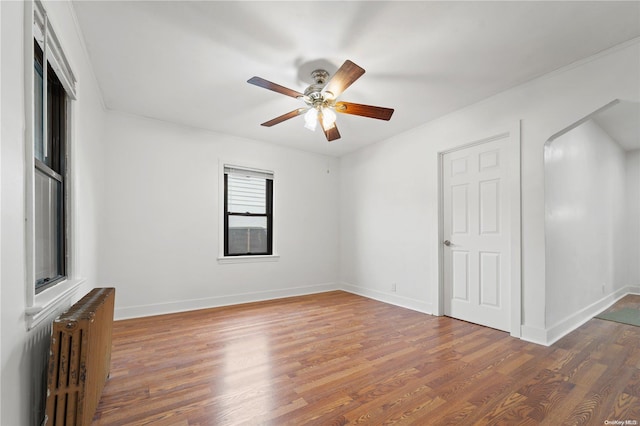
50,187
52,85
50,264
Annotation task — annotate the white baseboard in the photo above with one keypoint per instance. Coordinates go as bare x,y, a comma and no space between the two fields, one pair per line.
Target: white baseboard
392,299
634,289
535,335
235,299
214,302
542,336
550,335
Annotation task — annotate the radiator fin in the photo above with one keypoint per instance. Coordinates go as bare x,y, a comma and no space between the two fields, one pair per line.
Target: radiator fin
38,348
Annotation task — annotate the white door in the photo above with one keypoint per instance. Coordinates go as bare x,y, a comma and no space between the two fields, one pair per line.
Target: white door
476,234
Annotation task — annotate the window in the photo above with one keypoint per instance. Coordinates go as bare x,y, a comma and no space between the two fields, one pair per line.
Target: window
48,179
49,174
248,212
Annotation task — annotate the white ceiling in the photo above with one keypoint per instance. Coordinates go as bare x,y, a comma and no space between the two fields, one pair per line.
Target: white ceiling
188,62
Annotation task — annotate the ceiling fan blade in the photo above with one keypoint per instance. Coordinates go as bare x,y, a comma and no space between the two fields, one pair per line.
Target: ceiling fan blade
331,133
261,82
380,113
343,78
284,117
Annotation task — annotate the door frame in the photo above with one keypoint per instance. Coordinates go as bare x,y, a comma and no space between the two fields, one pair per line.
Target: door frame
514,175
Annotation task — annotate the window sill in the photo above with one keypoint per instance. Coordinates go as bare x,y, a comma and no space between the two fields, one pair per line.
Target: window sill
249,259
49,300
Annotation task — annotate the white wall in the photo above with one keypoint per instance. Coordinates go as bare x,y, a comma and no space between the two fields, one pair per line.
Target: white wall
633,219
586,205
159,239
19,378
0,203
389,216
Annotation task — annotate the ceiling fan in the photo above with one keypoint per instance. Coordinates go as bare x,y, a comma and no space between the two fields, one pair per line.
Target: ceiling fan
320,99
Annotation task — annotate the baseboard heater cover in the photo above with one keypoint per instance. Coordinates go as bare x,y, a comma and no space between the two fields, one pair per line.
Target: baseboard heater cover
79,359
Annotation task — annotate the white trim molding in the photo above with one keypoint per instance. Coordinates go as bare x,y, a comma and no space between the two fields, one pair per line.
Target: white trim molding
549,335
537,335
392,299
44,33
247,165
219,301
0,204
575,320
512,132
49,300
249,259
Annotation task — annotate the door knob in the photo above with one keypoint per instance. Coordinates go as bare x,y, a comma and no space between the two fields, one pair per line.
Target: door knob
447,243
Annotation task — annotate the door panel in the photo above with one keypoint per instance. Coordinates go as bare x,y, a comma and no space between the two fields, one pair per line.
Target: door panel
476,223
460,266
490,279
490,207
460,209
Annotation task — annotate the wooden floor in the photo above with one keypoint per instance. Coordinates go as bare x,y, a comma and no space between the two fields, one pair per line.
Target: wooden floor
338,359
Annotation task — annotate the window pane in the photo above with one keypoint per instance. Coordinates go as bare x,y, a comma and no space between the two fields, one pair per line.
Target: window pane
38,118
49,262
247,234
246,194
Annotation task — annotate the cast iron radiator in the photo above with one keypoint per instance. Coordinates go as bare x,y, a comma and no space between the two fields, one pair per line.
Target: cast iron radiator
79,359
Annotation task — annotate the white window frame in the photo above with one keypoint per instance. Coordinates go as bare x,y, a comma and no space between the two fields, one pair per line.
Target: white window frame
37,25
222,259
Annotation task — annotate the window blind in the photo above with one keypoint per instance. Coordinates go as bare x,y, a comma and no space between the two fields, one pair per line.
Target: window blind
238,171
246,190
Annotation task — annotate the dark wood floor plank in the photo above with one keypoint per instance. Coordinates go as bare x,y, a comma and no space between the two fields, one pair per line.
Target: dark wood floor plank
340,359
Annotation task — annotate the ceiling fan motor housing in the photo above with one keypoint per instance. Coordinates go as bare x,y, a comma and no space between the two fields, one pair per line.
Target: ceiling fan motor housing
314,91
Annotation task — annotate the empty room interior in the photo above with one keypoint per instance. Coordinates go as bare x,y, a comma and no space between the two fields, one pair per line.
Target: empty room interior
295,240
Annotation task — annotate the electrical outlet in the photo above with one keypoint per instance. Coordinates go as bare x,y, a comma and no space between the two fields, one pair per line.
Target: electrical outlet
604,285
393,287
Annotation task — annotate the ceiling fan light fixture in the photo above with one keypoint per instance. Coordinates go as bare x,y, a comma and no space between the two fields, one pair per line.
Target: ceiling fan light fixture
328,118
311,119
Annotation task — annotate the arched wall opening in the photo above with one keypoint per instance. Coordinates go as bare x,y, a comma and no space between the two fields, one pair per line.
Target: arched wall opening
592,214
